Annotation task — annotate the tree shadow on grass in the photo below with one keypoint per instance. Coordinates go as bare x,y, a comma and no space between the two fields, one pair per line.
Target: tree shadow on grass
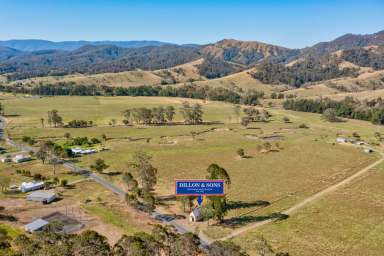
10,218
74,160
241,221
241,204
113,173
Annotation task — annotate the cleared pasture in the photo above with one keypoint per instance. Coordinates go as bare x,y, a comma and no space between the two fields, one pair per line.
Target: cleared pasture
301,162
348,221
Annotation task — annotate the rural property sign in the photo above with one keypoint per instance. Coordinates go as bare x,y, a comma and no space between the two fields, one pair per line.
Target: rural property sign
199,187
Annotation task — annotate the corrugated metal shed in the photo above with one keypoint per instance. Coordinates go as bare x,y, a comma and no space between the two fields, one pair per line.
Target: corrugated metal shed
36,225
41,196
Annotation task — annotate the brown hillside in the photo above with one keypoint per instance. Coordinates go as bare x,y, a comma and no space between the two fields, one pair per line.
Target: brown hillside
245,52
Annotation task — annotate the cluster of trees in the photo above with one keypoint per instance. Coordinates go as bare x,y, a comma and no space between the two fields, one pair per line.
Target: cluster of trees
192,114
156,115
216,67
308,70
162,241
54,118
275,95
48,150
186,91
140,191
373,58
254,115
79,124
26,139
82,141
51,152
99,165
372,110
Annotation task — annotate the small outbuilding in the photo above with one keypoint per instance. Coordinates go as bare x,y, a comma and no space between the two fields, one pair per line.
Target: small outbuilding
69,225
41,196
31,186
195,214
36,225
21,158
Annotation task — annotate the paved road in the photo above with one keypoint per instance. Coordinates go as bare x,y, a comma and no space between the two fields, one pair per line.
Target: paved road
205,241
308,200
181,228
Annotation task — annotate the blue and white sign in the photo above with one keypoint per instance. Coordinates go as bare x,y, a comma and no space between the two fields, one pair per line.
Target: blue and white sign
199,187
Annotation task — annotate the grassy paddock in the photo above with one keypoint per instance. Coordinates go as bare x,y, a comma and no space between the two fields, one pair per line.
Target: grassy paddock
304,161
348,221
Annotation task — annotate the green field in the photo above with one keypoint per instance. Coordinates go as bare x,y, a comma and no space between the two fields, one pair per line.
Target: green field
347,222
304,162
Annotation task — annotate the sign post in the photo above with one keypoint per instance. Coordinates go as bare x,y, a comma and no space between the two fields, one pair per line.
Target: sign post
199,188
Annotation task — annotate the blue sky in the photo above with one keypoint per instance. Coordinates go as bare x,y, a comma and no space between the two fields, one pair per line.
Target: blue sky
292,23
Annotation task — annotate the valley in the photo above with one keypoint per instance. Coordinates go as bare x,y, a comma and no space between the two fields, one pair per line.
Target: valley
107,127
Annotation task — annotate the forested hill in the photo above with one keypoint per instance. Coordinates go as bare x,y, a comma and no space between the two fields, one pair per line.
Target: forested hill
96,59
219,59
312,69
32,45
247,52
6,53
345,42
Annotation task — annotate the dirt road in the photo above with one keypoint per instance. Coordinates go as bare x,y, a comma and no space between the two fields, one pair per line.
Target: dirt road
308,200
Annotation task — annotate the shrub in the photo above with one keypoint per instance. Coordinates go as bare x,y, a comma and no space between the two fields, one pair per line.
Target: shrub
38,176
95,141
303,126
47,184
240,152
330,115
63,182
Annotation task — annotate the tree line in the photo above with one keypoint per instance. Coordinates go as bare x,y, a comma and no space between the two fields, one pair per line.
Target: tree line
192,114
192,91
162,241
368,110
143,115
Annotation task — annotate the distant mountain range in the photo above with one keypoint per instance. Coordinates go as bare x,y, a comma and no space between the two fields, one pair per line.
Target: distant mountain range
345,42
29,58
31,45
